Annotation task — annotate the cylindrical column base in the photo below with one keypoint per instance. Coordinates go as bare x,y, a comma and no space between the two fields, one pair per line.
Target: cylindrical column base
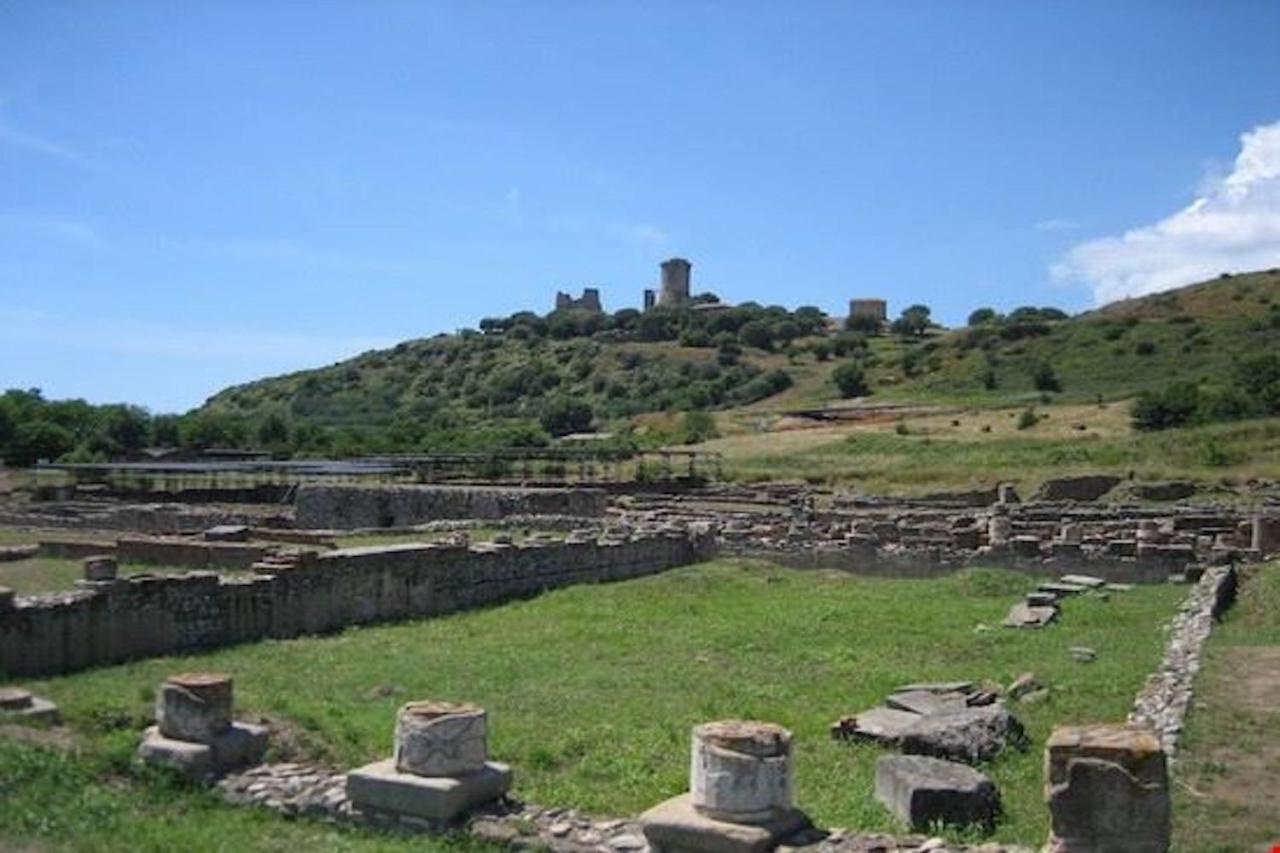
741,771
194,706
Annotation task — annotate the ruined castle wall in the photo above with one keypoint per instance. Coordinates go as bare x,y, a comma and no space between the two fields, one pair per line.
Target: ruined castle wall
148,616
348,507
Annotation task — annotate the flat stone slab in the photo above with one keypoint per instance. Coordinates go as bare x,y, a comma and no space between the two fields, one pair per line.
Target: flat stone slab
925,702
1023,615
675,826
922,790
1039,598
379,787
1118,587
193,761
1062,590
29,709
939,687
971,735
882,724
227,533
241,745
1083,580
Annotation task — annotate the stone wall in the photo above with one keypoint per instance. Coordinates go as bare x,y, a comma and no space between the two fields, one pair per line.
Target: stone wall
347,507
145,616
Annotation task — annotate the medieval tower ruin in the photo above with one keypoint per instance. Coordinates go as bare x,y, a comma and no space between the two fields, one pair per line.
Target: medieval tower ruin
675,282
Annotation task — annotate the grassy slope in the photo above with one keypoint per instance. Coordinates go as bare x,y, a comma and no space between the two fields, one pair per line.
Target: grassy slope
592,690
941,456
1197,333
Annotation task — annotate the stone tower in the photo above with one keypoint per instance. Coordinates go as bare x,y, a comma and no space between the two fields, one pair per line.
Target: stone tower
876,308
675,282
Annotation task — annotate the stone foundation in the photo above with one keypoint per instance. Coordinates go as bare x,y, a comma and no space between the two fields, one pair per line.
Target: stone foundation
144,616
347,507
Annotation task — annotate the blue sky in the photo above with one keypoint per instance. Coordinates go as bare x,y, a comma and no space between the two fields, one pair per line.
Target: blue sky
198,194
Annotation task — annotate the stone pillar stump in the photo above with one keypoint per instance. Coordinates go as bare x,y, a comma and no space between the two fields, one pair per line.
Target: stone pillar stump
440,739
741,770
740,793
194,706
1107,787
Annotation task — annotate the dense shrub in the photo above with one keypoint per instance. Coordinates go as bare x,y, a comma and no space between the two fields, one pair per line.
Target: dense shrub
850,379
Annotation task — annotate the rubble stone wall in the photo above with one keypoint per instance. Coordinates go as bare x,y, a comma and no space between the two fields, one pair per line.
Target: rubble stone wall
346,507
145,616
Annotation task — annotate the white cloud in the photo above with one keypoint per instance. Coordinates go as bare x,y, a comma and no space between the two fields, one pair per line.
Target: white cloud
1234,226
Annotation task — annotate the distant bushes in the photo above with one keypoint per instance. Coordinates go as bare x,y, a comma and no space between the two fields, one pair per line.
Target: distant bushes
1254,391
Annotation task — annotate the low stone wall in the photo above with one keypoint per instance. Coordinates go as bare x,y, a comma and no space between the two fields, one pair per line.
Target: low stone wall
145,616
158,519
59,550
346,507
1164,700
925,562
188,552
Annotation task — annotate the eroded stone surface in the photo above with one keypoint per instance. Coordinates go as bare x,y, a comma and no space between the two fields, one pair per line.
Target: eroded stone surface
381,788
921,790
194,706
440,738
678,825
740,771
1107,790
1024,615
970,735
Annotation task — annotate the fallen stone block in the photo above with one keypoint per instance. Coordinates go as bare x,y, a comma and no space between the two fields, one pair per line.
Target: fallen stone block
675,825
1023,615
1022,685
22,706
881,724
1039,598
380,788
227,533
1062,590
1107,789
970,735
1083,580
939,687
925,702
922,790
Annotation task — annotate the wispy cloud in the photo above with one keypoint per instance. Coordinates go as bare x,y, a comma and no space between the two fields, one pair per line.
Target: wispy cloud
77,231
1057,225
642,233
1233,226
23,140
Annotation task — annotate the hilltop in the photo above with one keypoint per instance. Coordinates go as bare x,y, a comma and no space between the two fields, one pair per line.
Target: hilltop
629,363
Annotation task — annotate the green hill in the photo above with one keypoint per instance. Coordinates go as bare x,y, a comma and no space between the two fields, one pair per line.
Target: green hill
521,376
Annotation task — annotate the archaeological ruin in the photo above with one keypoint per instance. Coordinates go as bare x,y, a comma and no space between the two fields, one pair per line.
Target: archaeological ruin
233,570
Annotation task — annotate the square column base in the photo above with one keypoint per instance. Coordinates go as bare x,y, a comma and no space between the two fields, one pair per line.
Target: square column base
381,789
39,711
241,745
675,826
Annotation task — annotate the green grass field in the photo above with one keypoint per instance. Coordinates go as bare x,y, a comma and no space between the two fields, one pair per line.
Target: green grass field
592,692
883,462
